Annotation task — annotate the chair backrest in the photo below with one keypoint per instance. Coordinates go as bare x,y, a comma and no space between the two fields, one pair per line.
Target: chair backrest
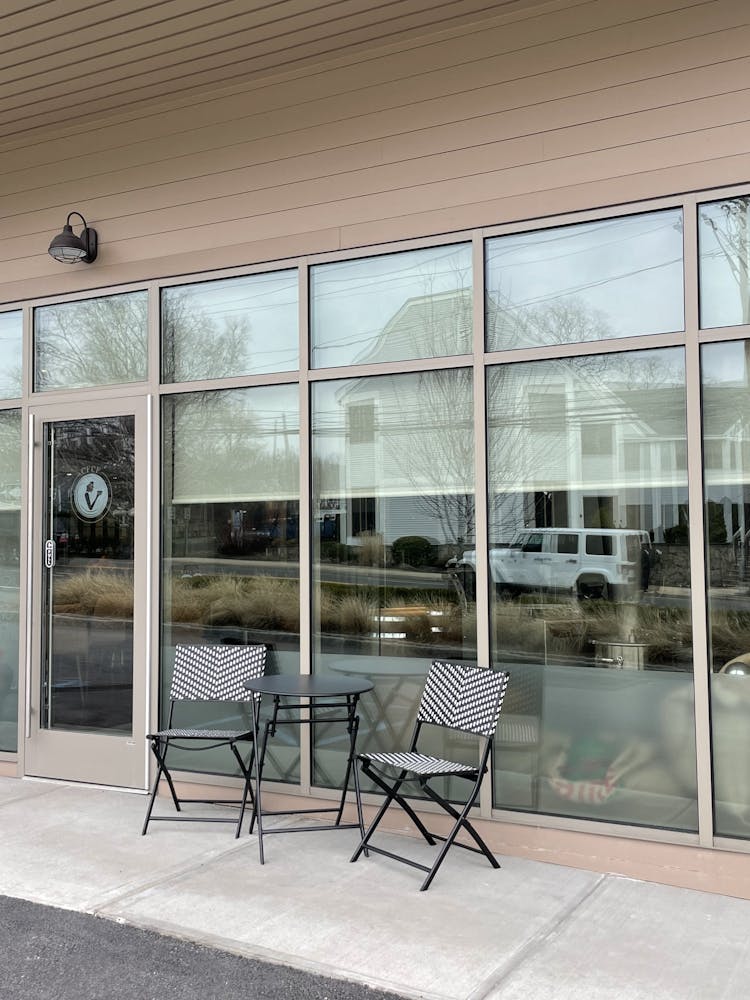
462,697
215,673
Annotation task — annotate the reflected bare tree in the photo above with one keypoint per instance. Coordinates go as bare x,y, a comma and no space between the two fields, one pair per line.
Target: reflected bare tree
197,346
731,230
98,341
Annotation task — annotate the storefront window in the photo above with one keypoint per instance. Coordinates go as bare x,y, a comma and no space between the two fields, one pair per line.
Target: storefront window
11,329
237,326
415,304
726,422
724,249
230,530
593,281
590,577
100,341
393,503
10,549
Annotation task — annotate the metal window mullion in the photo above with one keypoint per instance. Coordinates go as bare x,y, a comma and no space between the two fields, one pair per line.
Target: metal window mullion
304,532
29,581
699,607
480,491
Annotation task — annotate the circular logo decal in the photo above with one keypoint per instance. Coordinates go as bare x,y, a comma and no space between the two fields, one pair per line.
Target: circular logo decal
91,496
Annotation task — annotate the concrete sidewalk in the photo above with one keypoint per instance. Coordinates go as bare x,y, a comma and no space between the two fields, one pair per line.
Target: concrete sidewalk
531,930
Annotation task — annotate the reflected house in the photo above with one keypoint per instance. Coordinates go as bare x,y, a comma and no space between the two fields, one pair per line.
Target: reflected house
569,448
405,442
726,465
569,445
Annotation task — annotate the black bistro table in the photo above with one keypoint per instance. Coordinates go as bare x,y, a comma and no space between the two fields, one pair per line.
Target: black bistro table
314,693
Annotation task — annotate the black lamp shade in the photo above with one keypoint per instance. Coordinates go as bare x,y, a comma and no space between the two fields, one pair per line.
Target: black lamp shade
71,249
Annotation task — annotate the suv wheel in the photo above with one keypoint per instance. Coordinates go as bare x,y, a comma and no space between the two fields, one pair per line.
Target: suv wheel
593,590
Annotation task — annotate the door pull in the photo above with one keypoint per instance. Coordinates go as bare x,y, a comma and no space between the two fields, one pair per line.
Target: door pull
49,553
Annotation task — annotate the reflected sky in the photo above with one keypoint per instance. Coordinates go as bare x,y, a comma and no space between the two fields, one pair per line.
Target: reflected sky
390,308
11,328
595,281
245,325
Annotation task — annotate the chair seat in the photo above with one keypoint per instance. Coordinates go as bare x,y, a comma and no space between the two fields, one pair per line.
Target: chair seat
419,763
202,734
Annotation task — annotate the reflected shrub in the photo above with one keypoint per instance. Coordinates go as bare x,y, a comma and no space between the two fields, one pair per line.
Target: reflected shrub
413,550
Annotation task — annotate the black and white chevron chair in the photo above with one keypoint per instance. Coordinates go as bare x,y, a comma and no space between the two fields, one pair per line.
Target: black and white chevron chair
460,698
208,674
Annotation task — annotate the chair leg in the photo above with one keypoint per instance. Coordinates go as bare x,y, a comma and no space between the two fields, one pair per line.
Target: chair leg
400,800
461,822
391,796
358,800
161,769
247,775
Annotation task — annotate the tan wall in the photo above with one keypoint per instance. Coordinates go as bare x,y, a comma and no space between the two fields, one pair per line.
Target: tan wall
586,104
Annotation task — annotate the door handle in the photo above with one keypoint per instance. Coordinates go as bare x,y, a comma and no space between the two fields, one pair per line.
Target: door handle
50,553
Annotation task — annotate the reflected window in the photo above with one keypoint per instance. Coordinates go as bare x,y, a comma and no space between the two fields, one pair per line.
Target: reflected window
235,326
726,422
101,341
392,510
10,551
724,258
591,616
11,345
230,537
414,304
591,281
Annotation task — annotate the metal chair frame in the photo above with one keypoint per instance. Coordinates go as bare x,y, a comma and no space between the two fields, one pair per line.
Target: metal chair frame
208,673
456,697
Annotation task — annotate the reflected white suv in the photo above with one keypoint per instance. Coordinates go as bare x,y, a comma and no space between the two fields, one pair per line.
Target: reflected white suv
589,562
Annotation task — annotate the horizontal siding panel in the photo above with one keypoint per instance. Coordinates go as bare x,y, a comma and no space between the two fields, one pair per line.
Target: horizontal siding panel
556,201
634,124
461,133
288,185
123,246
468,61
158,78
423,134
155,47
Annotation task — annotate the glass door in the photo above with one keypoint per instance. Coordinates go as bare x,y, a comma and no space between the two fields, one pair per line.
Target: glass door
87,705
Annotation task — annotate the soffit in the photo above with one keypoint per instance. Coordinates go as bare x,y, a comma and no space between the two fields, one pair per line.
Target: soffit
63,62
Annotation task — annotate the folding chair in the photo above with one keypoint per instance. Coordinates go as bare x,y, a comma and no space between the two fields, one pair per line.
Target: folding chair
208,674
456,697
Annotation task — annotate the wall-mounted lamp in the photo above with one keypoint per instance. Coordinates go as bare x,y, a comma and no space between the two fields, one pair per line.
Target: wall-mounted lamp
71,249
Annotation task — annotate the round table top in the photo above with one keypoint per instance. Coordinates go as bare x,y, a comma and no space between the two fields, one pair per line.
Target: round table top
378,666
309,685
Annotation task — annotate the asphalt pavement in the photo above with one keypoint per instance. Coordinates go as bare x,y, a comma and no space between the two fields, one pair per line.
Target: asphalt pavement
51,952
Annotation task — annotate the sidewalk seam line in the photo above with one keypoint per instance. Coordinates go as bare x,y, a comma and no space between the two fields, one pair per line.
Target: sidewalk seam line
496,979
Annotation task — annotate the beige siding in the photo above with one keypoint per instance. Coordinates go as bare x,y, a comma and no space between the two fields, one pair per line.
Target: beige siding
582,105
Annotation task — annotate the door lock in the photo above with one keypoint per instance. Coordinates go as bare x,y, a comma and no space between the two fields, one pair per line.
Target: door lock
50,553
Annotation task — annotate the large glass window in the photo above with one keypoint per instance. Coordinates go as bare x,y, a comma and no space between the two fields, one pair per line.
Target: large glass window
724,247
230,530
726,419
11,330
592,281
10,549
415,304
590,576
237,326
393,503
100,341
